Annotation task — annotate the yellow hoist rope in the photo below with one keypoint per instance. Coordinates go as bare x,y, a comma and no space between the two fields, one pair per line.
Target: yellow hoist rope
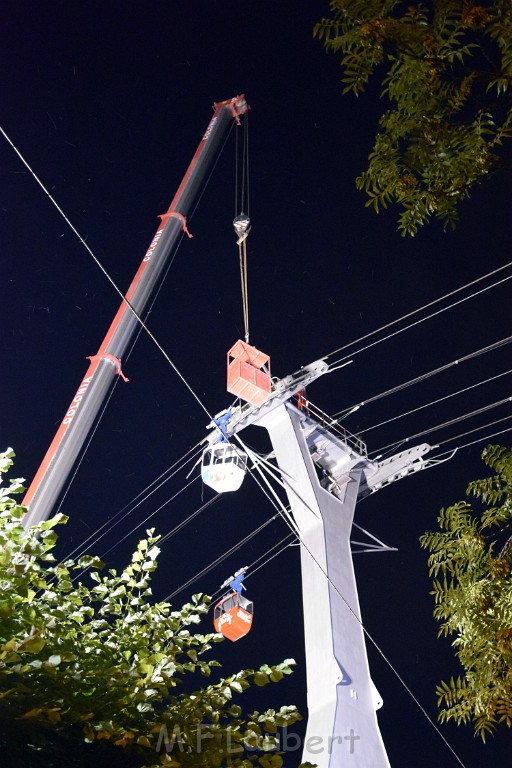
242,251
241,223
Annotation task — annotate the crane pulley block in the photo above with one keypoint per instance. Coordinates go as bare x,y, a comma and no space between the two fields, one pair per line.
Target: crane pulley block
242,227
249,373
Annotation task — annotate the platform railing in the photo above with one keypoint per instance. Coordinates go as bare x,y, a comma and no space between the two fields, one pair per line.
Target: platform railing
331,424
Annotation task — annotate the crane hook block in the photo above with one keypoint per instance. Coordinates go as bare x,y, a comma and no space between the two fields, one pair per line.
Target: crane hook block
242,226
249,373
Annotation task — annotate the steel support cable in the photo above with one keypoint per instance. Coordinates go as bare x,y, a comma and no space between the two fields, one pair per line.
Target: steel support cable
243,198
472,431
233,549
74,578
434,402
244,161
250,567
155,512
415,311
452,451
109,278
449,423
275,501
106,552
259,464
246,164
236,174
289,538
219,591
267,552
187,520
90,437
132,505
175,530
284,511
424,376
222,557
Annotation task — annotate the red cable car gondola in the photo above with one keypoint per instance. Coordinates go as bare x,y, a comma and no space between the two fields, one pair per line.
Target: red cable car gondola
232,616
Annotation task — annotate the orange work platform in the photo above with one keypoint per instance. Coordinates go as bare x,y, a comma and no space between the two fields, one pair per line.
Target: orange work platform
249,373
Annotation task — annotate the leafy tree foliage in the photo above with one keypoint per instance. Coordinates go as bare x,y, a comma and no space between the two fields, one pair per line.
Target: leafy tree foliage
105,664
470,561
446,70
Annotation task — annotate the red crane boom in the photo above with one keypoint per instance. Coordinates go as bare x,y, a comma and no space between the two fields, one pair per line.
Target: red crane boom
106,363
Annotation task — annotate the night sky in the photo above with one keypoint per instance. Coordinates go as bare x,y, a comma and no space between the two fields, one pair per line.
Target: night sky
108,101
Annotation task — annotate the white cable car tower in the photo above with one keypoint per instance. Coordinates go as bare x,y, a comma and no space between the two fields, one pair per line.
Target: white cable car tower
342,727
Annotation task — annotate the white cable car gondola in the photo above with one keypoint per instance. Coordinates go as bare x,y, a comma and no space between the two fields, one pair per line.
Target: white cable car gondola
223,467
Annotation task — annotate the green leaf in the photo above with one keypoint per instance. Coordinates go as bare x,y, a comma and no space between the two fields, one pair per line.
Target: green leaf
33,644
261,679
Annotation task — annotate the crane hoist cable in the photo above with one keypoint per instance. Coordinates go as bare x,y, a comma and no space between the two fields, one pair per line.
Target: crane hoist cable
242,228
242,222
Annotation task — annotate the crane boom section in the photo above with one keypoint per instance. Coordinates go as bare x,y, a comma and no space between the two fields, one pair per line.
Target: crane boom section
106,364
